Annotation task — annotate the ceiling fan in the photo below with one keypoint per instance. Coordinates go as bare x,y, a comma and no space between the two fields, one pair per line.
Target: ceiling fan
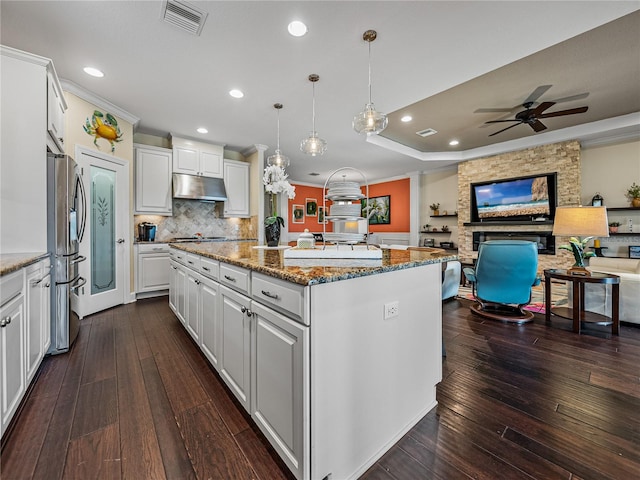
531,116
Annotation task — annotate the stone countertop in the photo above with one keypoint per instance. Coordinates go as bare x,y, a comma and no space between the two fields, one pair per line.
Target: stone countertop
271,262
11,262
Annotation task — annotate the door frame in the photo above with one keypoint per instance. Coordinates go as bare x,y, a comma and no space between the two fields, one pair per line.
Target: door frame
126,206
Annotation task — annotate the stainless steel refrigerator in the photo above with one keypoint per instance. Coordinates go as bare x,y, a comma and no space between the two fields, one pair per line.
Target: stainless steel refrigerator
66,220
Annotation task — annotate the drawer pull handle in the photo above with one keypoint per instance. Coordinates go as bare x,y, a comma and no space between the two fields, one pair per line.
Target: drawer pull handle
231,279
206,269
270,295
189,261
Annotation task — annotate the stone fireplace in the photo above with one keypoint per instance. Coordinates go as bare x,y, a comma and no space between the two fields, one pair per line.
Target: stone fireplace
563,158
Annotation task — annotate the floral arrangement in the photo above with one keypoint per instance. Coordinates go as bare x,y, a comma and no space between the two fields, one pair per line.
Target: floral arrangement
633,191
577,247
275,182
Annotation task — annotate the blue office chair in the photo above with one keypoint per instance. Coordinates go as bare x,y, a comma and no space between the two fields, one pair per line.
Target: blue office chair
502,279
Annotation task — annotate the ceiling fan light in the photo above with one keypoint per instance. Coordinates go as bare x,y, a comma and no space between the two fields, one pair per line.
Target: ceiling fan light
278,159
370,121
313,145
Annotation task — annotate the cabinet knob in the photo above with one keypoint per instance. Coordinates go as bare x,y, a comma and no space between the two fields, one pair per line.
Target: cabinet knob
5,321
243,309
120,240
249,313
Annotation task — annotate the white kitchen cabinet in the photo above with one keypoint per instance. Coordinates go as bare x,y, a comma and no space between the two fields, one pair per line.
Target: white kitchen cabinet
152,269
177,291
210,320
38,329
192,315
235,354
56,106
12,346
236,183
279,382
154,166
197,158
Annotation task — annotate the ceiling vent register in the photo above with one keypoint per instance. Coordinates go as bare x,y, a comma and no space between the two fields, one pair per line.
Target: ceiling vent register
426,132
184,16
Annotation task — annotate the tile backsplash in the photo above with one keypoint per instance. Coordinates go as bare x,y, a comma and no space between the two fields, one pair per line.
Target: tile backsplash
193,216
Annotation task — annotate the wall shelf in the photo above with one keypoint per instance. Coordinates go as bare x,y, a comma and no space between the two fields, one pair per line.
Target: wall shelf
447,215
439,231
502,224
623,209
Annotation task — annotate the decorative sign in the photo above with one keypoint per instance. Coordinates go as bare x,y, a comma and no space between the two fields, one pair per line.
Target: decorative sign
103,126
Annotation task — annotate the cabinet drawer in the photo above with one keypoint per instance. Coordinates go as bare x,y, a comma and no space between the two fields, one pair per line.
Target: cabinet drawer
284,296
153,247
210,268
11,286
178,255
193,261
235,277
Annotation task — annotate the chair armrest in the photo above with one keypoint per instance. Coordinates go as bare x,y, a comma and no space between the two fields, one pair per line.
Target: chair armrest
536,282
470,273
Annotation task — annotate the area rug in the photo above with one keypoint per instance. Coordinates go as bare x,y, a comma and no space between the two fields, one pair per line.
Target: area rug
558,296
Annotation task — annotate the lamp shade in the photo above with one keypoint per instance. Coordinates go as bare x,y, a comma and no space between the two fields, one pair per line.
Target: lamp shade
581,221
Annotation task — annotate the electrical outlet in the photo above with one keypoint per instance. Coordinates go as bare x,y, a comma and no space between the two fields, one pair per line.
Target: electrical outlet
391,309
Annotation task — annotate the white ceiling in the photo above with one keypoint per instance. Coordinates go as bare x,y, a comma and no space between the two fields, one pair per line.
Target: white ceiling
440,60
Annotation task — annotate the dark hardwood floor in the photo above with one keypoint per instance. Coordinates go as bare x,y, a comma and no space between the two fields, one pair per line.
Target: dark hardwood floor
135,399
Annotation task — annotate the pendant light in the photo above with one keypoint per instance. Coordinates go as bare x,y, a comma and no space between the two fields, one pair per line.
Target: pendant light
370,121
278,158
313,145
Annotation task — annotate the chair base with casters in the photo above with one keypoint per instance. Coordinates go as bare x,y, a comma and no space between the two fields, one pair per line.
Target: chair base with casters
502,313
502,279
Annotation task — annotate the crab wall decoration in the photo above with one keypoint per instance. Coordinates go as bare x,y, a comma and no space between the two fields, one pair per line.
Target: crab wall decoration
103,126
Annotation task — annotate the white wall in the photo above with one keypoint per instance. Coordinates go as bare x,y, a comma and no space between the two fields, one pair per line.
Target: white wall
442,188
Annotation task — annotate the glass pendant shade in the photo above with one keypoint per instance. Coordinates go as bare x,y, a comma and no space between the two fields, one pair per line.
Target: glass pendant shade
313,145
370,121
278,158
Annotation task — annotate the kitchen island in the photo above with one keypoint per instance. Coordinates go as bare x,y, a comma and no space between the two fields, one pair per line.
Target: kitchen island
334,363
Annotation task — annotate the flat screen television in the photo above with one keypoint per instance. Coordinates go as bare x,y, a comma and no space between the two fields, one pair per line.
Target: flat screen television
531,198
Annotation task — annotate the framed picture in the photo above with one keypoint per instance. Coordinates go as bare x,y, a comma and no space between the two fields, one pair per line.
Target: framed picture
297,215
634,251
378,209
321,218
312,207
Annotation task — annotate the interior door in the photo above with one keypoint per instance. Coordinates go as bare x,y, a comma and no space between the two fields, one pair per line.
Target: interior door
105,242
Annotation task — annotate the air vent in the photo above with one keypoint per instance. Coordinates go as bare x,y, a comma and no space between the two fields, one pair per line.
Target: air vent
426,132
184,16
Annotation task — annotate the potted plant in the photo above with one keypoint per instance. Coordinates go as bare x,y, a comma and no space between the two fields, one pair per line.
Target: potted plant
577,247
436,209
275,182
633,194
613,227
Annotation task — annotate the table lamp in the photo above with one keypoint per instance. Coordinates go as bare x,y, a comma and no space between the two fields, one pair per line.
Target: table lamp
577,222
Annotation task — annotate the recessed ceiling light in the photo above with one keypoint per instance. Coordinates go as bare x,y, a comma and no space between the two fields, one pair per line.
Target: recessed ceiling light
94,72
202,130
453,143
297,28
406,118
235,93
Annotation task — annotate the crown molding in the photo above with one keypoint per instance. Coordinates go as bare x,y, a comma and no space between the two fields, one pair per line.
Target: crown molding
98,101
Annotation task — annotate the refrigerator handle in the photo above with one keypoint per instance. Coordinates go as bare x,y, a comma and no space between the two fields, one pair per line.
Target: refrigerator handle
83,199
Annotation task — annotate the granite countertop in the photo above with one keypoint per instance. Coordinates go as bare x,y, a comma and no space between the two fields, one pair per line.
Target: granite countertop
271,262
11,262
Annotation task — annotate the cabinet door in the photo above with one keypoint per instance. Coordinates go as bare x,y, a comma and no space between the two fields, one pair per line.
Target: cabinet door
153,272
185,160
236,182
280,372
209,324
12,358
210,164
181,285
55,113
33,324
235,356
153,181
192,310
46,307
173,294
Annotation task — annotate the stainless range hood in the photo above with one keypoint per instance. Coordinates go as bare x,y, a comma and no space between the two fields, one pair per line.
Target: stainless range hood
198,188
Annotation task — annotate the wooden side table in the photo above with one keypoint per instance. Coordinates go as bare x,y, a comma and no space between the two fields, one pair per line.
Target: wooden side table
577,313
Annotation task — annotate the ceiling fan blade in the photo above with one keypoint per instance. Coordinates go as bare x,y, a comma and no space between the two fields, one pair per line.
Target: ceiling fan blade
571,98
500,131
537,93
538,126
542,107
561,113
508,120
